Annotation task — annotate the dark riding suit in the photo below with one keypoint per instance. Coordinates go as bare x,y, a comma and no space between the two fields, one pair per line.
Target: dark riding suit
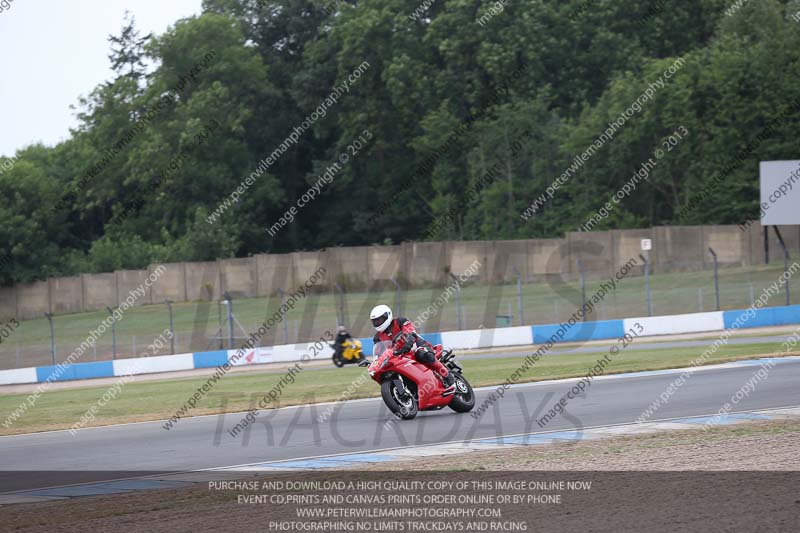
338,343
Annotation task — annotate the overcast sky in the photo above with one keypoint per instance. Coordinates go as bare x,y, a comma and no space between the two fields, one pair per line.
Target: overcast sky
53,51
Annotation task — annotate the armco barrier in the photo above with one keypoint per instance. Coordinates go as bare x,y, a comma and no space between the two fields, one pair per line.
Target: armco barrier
100,369
769,316
487,338
689,323
477,338
18,375
580,331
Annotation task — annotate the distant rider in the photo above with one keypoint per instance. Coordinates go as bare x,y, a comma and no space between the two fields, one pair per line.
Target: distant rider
402,329
342,336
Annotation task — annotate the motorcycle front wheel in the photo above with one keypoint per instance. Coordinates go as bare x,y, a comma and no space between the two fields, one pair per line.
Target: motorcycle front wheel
403,408
464,399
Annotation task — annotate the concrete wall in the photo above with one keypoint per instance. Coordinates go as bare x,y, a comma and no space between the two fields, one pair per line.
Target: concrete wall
349,267
508,259
99,291
66,295
462,254
593,249
675,249
627,245
171,285
8,302
129,280
385,262
274,272
239,277
546,256
201,281
33,299
307,263
729,243
425,263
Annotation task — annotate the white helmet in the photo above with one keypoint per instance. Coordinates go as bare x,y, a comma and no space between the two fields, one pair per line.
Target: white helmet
381,317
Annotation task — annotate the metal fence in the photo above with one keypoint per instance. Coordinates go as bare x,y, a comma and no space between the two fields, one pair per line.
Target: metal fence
187,327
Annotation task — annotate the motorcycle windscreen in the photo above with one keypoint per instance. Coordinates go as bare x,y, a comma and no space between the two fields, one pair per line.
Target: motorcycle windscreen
381,347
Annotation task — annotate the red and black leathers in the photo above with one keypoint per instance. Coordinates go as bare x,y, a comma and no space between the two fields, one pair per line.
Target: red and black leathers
400,328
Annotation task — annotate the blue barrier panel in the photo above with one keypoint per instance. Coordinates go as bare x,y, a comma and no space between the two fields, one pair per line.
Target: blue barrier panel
787,315
581,331
433,338
367,345
100,369
210,359
767,316
44,372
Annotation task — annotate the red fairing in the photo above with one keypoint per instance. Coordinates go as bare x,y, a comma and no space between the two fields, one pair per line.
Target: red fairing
429,387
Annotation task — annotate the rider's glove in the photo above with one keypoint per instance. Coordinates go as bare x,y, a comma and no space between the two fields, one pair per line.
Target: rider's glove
403,344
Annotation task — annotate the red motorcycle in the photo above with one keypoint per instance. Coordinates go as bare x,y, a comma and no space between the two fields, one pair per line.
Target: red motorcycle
408,387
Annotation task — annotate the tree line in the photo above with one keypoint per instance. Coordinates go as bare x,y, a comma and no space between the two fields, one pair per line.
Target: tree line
191,113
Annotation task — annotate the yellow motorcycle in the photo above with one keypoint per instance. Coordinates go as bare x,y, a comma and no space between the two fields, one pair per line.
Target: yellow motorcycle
349,354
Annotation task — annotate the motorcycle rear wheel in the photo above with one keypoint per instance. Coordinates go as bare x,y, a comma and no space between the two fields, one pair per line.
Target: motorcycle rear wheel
338,361
402,409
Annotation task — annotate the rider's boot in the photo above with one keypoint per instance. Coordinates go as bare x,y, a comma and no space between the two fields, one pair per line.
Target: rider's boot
445,375
449,384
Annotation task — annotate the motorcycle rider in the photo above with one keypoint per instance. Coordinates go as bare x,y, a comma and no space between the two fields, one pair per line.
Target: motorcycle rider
342,336
402,330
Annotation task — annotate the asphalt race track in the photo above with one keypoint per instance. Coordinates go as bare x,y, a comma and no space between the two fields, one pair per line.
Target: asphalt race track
363,425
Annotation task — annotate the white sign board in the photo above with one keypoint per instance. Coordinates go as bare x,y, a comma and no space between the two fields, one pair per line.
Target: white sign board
647,245
780,192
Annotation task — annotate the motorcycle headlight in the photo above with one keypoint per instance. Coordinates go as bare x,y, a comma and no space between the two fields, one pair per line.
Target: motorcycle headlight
372,373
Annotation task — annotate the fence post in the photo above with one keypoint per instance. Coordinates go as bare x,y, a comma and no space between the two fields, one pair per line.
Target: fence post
229,304
716,277
583,285
519,297
648,295
785,262
219,329
171,327
458,301
786,274
285,322
52,338
766,245
340,304
397,302
113,333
